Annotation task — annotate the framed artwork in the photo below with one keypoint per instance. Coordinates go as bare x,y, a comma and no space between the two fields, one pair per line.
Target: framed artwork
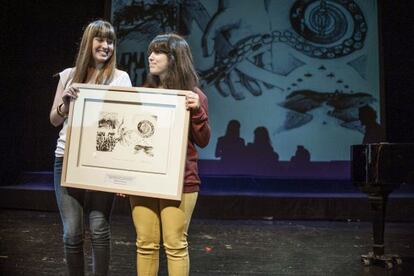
127,140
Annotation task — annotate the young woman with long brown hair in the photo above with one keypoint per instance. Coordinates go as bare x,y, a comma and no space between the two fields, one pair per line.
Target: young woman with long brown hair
171,67
95,64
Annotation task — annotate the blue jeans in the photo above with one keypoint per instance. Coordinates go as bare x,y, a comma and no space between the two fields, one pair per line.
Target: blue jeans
72,204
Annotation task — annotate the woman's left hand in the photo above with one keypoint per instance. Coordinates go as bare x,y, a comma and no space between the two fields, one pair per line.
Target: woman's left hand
192,101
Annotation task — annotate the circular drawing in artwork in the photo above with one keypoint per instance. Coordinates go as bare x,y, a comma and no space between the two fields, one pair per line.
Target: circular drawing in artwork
145,128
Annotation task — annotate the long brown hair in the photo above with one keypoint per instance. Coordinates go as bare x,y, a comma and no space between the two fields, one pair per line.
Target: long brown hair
84,60
180,73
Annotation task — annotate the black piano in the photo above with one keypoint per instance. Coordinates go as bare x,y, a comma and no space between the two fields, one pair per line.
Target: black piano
377,170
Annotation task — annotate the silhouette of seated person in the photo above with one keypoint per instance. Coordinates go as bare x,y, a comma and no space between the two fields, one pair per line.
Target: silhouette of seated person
368,118
260,156
302,156
230,147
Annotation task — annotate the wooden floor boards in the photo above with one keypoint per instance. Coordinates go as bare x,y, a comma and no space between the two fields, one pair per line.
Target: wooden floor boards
30,244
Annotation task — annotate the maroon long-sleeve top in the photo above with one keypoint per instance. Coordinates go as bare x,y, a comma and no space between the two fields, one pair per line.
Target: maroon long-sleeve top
199,134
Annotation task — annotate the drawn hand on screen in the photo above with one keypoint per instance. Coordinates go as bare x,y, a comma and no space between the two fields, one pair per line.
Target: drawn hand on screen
241,45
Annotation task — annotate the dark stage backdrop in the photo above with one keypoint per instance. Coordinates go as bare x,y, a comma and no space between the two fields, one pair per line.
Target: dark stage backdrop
292,84
40,38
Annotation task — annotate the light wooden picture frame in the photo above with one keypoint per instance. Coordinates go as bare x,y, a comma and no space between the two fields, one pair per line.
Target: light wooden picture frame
127,140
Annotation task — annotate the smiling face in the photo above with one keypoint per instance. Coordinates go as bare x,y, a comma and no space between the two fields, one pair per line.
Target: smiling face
102,50
158,64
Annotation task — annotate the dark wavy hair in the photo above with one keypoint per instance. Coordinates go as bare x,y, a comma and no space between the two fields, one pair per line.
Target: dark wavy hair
181,73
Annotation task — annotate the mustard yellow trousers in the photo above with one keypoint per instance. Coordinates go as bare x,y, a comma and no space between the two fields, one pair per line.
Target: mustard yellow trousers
152,216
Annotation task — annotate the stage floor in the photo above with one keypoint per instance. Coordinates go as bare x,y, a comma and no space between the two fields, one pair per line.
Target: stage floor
30,244
241,198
